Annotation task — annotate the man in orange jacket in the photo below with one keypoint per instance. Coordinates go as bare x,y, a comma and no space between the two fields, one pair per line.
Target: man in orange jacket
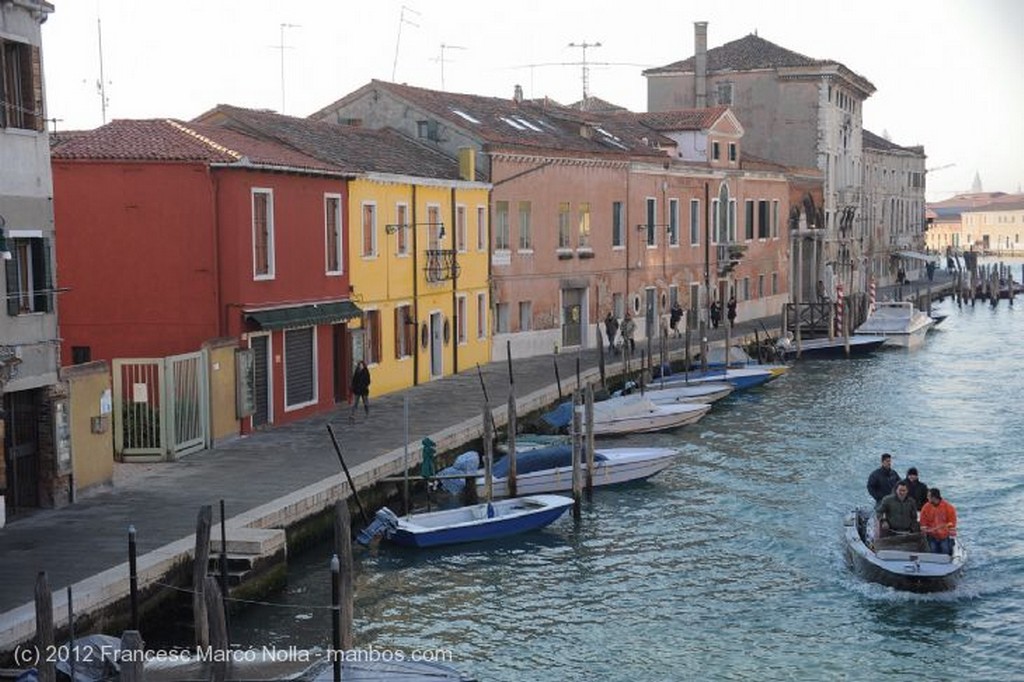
938,522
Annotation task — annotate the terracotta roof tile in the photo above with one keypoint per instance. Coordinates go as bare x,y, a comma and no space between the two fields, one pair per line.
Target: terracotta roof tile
170,140
358,150
745,54
524,125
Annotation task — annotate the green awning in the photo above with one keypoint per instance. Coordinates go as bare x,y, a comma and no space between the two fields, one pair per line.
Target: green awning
304,315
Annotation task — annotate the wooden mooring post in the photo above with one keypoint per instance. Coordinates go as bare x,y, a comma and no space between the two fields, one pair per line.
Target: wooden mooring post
488,444
590,441
336,617
600,354
217,623
512,426
44,629
576,448
133,577
200,563
343,550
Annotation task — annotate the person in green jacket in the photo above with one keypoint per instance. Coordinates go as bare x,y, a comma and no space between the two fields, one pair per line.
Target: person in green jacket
897,512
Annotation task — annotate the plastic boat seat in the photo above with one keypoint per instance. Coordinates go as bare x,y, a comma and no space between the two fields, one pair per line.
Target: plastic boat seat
922,557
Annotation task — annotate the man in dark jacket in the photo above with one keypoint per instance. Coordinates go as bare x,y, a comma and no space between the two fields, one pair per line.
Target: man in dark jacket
897,511
916,489
883,479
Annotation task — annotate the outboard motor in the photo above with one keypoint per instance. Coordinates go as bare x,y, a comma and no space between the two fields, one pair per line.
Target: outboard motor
384,523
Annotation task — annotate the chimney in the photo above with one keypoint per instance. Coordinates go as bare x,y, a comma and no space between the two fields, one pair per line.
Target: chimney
517,97
467,163
700,81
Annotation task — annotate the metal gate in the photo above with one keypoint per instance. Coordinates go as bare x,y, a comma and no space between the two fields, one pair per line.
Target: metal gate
161,406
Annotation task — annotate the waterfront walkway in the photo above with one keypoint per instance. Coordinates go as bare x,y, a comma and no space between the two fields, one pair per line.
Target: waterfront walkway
88,538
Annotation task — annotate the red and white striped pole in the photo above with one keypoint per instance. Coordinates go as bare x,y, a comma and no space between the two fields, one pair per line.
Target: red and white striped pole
871,295
839,308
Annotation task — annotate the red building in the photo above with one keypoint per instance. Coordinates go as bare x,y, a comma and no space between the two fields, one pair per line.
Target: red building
170,235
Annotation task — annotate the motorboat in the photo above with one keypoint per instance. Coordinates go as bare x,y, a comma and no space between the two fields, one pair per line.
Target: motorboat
741,378
638,414
473,523
902,562
549,469
703,392
899,322
824,348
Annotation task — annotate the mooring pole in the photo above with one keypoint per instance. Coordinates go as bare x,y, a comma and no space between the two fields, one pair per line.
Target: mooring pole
133,576
336,616
351,485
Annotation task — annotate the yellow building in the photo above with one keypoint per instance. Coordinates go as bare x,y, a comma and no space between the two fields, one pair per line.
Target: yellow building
416,229
418,266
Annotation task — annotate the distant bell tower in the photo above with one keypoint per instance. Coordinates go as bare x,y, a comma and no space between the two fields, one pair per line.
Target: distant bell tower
976,187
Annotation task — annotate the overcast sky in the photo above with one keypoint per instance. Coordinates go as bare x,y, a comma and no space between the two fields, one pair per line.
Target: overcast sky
948,73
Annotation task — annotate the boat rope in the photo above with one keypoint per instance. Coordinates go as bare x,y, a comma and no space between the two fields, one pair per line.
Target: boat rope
251,602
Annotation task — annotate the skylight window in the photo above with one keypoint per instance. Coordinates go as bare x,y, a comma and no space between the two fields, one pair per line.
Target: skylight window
529,125
466,116
513,123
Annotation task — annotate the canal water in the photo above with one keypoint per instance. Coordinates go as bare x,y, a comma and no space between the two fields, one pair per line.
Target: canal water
729,564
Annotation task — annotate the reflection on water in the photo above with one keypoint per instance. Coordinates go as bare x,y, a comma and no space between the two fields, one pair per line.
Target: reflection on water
729,564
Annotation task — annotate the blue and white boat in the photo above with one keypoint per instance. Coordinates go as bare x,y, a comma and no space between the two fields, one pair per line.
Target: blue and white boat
487,521
741,378
859,345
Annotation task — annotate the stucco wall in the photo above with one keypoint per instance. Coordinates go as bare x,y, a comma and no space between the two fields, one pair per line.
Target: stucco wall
92,443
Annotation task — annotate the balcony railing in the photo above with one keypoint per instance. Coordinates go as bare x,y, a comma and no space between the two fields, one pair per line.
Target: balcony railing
441,265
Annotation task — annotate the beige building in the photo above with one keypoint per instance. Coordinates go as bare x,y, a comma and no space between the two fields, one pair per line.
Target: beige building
796,110
997,229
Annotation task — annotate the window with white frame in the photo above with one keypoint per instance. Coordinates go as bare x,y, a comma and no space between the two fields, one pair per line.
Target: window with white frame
748,222
732,220
434,226
300,383
369,229
618,225
716,153
716,222
775,283
501,227
760,286
673,222
764,227
732,151
21,88
501,321
525,226
694,222
29,281
481,228
332,233
775,218
405,331
583,236
262,233
402,233
564,235
651,216
371,336
460,322
481,316
525,316
460,228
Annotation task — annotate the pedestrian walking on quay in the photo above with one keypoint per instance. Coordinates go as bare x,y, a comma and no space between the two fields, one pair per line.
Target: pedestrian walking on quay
360,389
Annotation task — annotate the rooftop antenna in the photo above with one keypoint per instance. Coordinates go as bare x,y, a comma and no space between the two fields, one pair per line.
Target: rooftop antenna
586,70
398,42
101,86
282,47
443,60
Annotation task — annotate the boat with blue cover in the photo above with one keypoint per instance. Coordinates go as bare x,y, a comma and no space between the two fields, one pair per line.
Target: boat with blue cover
474,523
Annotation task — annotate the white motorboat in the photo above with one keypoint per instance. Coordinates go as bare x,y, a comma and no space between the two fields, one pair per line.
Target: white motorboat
703,392
549,469
638,414
899,322
902,562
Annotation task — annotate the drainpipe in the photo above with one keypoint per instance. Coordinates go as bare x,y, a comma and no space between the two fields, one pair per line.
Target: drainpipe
455,282
415,294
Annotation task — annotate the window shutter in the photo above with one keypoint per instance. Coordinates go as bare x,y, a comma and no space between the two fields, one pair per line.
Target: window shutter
43,283
37,122
299,377
11,267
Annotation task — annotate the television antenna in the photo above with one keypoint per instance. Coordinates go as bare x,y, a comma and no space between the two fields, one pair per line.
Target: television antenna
282,47
101,84
441,58
586,70
398,42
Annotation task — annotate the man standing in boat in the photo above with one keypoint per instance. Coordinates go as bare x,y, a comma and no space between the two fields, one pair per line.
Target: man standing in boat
938,522
883,479
916,488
